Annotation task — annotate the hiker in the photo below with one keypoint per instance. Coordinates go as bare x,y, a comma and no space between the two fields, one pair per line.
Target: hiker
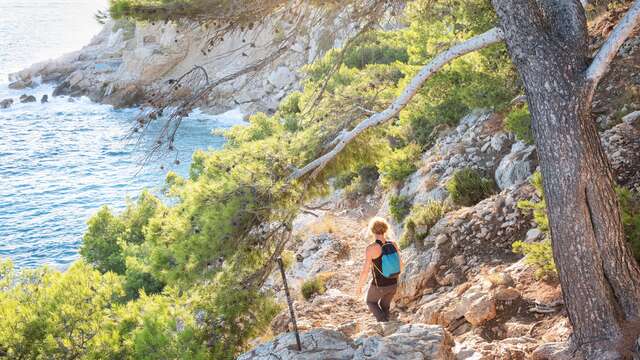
383,258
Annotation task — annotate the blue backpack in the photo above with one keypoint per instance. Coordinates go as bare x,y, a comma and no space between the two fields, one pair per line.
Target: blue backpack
390,261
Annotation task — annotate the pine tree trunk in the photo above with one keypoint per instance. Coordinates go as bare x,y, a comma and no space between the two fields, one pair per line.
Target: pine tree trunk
600,279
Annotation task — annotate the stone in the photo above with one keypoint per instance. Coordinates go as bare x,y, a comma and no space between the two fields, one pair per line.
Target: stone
27,98
44,99
533,235
282,77
516,167
6,103
481,311
552,351
20,84
411,341
632,118
498,140
506,294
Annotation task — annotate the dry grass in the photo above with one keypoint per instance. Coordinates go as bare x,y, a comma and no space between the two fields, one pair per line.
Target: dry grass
324,225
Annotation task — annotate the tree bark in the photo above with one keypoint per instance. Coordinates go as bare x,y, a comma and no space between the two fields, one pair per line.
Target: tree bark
547,40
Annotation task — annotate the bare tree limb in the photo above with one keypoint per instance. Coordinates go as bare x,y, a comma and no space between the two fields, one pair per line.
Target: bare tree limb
477,42
610,48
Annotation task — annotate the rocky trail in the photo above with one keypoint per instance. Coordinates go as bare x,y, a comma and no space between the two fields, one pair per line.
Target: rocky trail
464,293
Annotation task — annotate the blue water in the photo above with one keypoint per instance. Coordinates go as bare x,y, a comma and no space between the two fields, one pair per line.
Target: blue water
61,161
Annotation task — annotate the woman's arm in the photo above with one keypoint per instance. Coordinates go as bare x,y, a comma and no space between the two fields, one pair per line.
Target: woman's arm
364,273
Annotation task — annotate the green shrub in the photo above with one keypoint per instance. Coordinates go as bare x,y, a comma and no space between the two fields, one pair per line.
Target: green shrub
375,48
315,286
467,187
630,208
363,184
420,221
398,165
288,259
539,208
399,207
538,255
518,121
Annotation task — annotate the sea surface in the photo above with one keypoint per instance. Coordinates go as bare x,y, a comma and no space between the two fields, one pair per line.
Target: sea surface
61,161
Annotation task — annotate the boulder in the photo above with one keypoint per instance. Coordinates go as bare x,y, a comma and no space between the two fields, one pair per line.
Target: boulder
317,344
6,103
45,99
411,341
516,167
27,98
622,146
632,118
553,351
481,311
21,84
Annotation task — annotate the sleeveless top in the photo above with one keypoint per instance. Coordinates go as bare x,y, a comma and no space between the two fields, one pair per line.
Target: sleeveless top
380,280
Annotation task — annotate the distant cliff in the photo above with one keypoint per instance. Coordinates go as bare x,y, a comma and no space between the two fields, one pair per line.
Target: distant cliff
127,60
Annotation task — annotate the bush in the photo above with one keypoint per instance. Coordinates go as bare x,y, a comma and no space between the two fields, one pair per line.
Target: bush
399,165
630,208
518,121
288,259
539,208
420,221
467,187
539,255
315,286
363,184
399,207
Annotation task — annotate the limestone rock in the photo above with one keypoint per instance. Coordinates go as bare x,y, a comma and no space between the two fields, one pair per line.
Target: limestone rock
21,84
410,342
481,311
516,167
6,103
622,146
414,341
27,98
632,118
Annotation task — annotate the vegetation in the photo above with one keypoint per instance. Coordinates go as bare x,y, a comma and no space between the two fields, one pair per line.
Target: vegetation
630,207
315,286
181,278
537,207
420,221
397,166
518,121
399,207
540,255
467,187
537,255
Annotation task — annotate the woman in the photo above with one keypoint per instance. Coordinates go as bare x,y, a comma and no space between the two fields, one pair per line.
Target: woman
382,289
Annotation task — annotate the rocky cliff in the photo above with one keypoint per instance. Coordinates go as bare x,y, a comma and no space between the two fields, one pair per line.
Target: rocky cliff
127,60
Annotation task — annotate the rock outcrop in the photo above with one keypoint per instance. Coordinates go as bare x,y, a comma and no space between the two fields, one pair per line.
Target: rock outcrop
410,342
127,60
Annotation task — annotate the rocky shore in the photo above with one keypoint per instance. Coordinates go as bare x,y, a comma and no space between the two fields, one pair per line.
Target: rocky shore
127,60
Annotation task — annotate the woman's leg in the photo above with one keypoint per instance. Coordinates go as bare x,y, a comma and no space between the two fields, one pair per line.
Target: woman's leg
385,300
373,297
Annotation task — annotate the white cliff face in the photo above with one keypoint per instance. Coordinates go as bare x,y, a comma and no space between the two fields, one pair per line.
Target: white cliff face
127,60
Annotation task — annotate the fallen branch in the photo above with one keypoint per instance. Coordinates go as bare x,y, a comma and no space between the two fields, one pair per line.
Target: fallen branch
610,48
478,42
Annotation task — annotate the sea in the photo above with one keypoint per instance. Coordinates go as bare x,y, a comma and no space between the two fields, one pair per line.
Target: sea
61,161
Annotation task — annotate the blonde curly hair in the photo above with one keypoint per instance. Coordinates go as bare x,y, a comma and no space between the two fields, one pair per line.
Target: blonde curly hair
378,226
